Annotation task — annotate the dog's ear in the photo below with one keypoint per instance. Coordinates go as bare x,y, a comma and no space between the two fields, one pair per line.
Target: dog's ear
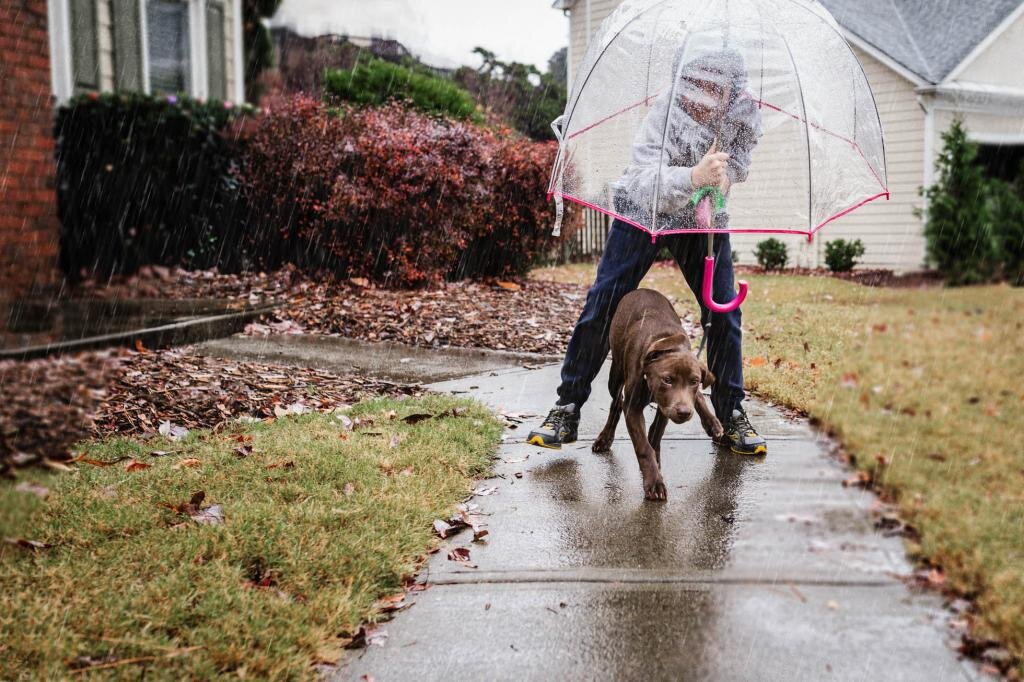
707,379
660,348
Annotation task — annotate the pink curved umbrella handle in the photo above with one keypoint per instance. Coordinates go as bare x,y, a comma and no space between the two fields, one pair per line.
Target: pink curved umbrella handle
706,290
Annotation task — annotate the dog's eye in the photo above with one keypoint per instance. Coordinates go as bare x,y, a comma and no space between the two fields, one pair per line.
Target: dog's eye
667,381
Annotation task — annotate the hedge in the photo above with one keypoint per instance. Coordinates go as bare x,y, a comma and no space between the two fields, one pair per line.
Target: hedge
397,196
386,193
142,180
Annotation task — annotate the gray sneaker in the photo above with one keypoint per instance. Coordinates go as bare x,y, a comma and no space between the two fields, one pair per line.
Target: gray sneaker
561,425
741,437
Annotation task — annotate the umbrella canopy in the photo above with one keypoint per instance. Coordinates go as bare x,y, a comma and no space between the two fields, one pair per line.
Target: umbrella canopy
771,83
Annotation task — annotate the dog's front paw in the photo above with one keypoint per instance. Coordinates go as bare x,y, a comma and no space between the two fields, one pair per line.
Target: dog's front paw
713,427
656,489
602,445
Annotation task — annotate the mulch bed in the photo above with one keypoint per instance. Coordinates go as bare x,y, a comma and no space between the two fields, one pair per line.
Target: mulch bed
532,317
52,403
870,278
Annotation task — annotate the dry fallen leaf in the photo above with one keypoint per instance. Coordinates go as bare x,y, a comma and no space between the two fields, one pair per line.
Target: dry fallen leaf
27,544
442,528
509,286
140,347
187,463
395,440
40,491
417,418
209,516
861,479
758,361
136,465
368,635
282,464
461,555
392,603
82,459
173,432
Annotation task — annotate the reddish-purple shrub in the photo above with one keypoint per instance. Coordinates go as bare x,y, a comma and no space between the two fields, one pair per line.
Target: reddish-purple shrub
395,195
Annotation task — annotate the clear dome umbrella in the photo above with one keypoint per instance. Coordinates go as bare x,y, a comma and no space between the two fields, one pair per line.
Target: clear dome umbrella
770,83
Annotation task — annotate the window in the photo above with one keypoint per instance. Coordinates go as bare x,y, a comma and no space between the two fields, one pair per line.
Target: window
169,55
168,47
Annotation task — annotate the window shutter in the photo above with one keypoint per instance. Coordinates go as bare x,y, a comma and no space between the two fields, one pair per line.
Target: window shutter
216,56
127,45
85,63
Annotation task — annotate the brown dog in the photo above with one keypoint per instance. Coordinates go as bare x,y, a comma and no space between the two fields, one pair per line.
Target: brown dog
652,360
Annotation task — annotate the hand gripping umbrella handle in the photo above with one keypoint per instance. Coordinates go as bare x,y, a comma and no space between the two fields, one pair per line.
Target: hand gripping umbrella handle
707,295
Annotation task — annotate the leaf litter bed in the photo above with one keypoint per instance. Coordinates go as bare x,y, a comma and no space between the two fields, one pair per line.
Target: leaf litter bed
529,316
51,403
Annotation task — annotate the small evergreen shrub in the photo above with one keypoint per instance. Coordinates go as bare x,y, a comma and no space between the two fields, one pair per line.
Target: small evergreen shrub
1007,210
771,254
375,82
959,221
842,255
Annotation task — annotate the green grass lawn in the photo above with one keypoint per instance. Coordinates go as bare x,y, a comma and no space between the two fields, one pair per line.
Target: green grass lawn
319,522
924,387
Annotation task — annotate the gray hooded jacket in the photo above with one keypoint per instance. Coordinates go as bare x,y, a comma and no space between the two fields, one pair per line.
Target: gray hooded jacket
687,141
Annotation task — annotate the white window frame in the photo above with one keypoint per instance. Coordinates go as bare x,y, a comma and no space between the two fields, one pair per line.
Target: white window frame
61,73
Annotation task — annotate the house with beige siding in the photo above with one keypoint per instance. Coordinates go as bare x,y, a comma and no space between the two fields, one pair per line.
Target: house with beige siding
191,47
926,62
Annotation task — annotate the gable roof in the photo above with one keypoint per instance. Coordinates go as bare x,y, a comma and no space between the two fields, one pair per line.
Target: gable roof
928,38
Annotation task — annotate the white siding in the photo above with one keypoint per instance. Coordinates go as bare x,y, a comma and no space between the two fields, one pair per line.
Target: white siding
980,127
892,235
1000,63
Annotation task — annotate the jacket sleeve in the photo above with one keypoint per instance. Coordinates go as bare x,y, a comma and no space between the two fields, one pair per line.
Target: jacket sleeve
745,119
650,169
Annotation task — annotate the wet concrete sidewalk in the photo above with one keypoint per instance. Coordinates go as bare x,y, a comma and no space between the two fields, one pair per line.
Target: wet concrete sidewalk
753,570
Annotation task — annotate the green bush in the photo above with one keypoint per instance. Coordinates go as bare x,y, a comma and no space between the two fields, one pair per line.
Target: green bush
958,225
771,254
374,82
144,179
1007,209
841,255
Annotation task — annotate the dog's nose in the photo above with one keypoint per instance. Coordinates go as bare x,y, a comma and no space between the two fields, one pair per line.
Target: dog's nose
682,414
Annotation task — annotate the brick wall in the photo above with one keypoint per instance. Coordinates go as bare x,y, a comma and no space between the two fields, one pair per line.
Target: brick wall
28,208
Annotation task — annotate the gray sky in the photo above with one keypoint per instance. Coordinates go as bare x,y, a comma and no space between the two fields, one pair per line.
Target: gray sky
440,32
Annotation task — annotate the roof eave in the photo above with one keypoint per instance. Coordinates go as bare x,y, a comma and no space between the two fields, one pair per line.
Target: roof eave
915,78
975,97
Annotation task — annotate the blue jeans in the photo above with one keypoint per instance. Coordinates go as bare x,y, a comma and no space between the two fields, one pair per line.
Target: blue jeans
628,255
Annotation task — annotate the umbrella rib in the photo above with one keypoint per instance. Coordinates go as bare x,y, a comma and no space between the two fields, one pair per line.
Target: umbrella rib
807,132
664,135
874,101
583,84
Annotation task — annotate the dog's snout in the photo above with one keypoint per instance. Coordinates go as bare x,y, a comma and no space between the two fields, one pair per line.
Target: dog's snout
681,414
